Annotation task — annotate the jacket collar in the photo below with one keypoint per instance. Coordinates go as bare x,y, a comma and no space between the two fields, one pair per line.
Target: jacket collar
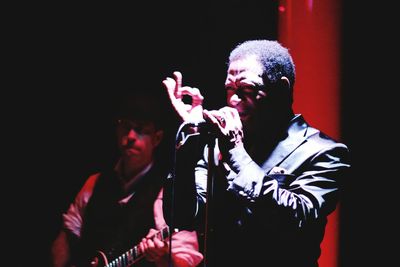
298,132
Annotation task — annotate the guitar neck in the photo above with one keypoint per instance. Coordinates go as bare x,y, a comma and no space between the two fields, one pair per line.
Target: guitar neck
134,254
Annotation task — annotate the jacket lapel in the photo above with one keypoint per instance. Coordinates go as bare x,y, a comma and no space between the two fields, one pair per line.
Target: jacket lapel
298,132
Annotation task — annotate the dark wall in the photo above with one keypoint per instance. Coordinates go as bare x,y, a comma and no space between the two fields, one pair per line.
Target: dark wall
73,62
369,99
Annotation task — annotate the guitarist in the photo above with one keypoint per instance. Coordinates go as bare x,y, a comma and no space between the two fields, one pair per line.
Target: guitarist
121,207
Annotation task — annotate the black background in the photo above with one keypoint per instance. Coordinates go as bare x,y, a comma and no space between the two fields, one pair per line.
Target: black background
66,65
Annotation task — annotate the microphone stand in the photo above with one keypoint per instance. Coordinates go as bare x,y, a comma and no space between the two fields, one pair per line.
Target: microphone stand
209,220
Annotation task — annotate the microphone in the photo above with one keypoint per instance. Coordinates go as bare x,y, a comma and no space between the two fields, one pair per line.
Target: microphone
204,125
195,128
201,123
200,127
191,128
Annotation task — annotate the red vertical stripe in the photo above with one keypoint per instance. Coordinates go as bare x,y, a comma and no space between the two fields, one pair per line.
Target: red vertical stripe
311,31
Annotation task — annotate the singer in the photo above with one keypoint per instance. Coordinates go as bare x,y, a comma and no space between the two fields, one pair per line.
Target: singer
277,178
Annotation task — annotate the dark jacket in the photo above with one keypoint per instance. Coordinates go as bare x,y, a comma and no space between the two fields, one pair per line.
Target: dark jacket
271,213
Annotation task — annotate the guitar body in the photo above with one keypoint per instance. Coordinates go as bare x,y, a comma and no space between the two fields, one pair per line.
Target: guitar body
98,260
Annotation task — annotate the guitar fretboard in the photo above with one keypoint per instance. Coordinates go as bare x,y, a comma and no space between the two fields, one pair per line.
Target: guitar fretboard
133,255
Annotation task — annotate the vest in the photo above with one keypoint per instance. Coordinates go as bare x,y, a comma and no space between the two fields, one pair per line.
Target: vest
114,228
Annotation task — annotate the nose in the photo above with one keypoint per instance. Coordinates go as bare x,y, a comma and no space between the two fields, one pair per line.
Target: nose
130,137
234,100
133,135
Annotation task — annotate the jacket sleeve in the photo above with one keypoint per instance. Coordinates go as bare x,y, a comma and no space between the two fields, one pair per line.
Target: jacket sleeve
306,192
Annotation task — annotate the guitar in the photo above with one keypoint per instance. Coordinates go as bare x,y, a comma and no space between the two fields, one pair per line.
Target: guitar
130,257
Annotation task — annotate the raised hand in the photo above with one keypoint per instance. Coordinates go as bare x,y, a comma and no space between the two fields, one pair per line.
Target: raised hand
188,112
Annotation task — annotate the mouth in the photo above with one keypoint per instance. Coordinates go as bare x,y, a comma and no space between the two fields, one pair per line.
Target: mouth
131,151
243,112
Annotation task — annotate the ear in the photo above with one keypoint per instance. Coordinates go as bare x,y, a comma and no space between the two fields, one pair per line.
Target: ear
288,90
158,136
285,82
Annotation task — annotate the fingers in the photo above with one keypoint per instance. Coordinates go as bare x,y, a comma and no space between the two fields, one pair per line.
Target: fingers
232,117
186,111
227,119
151,233
152,247
178,80
174,88
170,85
194,93
217,118
173,85
147,247
233,129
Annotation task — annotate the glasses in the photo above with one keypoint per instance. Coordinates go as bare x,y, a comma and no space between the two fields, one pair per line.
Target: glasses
138,126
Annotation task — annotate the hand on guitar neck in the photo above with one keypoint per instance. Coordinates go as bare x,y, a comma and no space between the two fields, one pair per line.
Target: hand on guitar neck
153,246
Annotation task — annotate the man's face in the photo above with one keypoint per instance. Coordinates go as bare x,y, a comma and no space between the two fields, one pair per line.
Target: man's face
245,86
137,141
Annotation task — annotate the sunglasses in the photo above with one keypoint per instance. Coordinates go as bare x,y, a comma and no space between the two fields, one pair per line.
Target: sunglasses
139,127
